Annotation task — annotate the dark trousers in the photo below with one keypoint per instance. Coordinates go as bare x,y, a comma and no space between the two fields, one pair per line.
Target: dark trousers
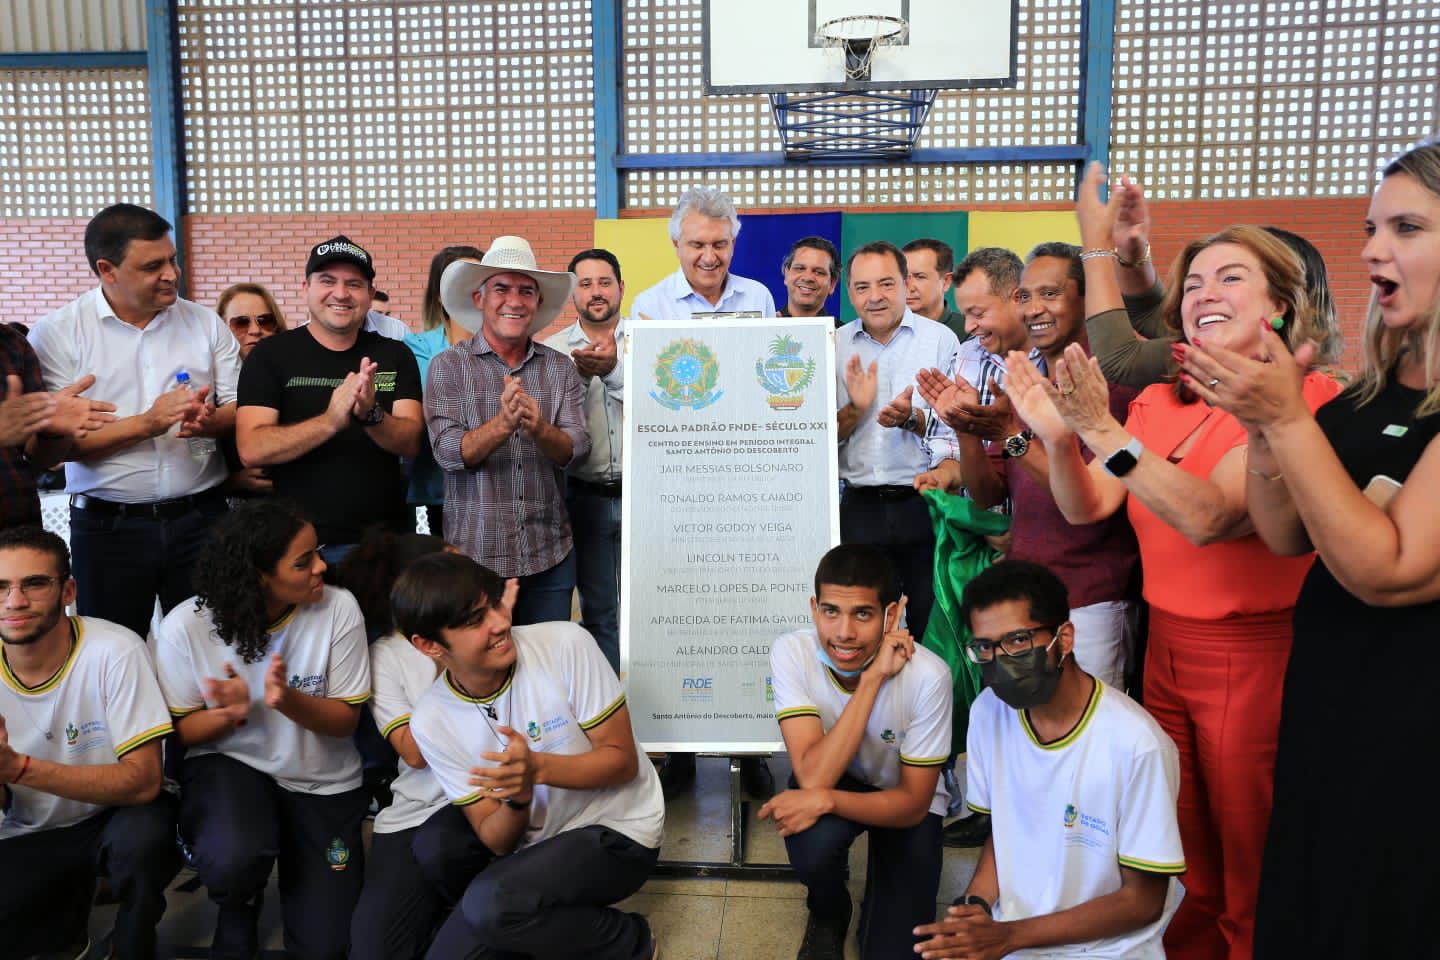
902,529
546,596
238,822
47,880
122,564
551,899
595,522
399,910
902,877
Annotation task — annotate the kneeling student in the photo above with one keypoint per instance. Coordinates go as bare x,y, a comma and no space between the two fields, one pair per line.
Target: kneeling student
865,714
527,731
1080,783
81,719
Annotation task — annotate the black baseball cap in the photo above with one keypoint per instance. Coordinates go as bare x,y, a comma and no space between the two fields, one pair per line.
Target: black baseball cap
340,250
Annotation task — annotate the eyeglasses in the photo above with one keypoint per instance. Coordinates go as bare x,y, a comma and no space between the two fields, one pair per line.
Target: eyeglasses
265,321
981,650
30,588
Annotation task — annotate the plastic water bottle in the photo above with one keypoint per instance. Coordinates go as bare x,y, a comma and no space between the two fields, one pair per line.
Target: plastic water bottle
201,448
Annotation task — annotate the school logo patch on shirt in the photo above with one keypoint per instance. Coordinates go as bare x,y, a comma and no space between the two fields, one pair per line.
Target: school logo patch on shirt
888,736
1071,815
337,855
314,684
533,729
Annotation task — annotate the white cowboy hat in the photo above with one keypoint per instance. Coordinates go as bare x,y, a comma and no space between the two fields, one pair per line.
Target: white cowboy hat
506,255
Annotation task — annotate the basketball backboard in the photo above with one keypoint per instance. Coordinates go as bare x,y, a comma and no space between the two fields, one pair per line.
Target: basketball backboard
771,46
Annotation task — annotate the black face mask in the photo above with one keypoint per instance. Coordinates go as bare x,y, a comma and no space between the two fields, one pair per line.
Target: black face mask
1024,680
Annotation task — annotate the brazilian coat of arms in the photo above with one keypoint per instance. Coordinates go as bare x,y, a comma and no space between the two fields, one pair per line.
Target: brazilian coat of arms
686,373
784,375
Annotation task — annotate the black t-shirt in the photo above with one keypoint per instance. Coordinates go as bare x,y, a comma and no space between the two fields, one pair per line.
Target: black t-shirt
347,483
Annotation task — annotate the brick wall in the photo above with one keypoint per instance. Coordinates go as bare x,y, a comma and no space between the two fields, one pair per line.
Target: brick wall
272,249
42,263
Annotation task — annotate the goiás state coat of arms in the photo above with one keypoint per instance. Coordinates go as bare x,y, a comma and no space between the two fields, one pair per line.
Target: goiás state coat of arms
784,374
686,373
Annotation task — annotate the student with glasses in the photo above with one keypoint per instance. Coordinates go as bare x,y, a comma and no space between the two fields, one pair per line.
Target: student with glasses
1080,783
81,719
265,671
251,313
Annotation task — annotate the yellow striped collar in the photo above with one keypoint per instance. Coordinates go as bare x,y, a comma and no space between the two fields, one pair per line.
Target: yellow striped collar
1075,731
77,634
454,688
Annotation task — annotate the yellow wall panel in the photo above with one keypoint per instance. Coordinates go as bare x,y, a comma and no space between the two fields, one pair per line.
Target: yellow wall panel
644,250
1020,230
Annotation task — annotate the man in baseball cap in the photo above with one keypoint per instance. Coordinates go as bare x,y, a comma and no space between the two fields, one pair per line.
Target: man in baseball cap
506,417
330,407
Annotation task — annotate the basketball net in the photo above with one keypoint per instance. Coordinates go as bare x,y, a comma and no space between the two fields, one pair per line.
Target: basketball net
858,37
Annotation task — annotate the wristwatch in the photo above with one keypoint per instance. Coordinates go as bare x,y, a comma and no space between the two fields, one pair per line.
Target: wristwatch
374,416
515,805
1122,461
1019,444
911,422
970,900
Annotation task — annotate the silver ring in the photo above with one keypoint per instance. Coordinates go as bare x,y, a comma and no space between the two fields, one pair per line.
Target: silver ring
1214,382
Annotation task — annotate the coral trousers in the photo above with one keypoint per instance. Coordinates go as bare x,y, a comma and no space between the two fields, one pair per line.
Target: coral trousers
1215,686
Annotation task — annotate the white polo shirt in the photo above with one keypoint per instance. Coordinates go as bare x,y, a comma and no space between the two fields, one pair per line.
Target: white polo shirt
674,299
133,367
102,703
400,674
1066,816
909,724
561,686
323,644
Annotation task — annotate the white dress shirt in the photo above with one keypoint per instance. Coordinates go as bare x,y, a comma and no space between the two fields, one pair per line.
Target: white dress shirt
875,456
674,299
604,408
132,368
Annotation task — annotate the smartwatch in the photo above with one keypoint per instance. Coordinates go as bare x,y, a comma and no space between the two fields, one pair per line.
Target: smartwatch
1019,444
374,416
1122,461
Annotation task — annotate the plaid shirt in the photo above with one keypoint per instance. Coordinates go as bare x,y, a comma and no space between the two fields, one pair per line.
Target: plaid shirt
943,443
19,503
509,512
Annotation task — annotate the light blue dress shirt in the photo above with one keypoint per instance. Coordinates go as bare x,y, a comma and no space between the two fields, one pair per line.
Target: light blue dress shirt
674,299
873,455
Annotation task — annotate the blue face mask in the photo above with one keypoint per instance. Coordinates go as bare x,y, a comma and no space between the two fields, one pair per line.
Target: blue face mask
825,659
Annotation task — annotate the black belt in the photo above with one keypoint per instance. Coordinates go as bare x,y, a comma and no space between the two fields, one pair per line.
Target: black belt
610,489
884,494
158,510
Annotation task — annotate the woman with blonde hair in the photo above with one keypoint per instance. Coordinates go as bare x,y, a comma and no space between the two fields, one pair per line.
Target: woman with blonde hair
251,313
1355,482
1220,601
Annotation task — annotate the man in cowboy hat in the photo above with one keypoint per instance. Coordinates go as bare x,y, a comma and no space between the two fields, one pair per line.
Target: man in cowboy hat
506,417
331,407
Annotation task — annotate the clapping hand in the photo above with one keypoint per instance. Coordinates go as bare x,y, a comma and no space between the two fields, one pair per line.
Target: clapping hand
230,696
861,382
597,359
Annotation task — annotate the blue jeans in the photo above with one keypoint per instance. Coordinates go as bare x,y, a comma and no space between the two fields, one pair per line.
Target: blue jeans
902,876
546,596
595,522
121,564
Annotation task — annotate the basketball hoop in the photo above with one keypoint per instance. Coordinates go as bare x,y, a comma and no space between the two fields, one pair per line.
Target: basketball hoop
859,37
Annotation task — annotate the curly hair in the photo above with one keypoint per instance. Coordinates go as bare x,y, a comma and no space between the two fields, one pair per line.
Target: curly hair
369,571
246,543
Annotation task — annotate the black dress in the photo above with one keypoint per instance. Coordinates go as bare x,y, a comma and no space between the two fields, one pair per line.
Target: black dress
1351,857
